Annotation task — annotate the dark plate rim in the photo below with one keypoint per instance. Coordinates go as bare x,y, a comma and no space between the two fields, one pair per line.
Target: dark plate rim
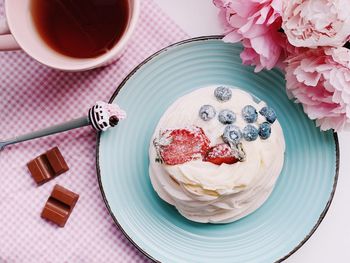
98,170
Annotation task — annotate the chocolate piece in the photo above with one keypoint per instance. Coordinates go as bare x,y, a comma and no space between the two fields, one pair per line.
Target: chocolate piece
59,206
47,166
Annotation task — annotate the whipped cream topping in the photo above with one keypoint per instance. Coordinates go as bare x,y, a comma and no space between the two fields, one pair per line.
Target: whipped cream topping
208,193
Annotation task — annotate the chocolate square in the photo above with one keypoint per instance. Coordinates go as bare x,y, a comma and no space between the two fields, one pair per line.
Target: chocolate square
59,206
57,162
47,166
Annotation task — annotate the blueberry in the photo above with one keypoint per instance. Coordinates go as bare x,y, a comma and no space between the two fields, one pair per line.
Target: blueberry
249,114
207,112
250,133
263,111
232,134
227,117
223,93
265,130
269,114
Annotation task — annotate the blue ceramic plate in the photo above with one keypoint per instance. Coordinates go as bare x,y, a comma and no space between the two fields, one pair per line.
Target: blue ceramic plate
292,213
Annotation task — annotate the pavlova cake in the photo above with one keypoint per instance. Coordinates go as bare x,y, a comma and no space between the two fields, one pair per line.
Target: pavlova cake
216,154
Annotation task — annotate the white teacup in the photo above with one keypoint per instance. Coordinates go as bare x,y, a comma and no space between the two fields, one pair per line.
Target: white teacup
19,32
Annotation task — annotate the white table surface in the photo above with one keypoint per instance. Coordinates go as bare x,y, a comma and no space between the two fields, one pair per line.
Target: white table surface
331,241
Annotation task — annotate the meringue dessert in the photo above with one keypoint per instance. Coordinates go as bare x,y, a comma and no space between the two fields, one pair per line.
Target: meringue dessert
216,154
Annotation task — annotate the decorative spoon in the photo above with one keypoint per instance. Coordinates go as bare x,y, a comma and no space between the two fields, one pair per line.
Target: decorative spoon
101,117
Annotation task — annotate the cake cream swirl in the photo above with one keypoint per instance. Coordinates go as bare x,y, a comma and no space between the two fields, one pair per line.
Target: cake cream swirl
208,193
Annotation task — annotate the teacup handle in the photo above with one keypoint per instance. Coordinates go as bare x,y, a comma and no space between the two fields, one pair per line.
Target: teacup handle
7,41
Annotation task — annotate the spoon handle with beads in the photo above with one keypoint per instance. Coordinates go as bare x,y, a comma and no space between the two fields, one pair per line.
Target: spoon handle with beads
101,117
73,124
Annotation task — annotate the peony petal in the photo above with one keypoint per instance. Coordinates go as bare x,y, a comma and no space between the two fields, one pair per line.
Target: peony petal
236,21
263,15
248,54
308,78
245,8
348,111
316,23
232,37
252,31
247,26
255,22
261,45
322,86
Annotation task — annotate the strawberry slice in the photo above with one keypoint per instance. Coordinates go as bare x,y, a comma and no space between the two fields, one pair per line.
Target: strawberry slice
182,145
221,153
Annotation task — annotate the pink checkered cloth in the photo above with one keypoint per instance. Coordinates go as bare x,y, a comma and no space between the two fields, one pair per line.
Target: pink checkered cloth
33,96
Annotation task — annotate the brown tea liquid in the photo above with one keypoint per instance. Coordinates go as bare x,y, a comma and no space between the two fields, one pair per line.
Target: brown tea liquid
80,28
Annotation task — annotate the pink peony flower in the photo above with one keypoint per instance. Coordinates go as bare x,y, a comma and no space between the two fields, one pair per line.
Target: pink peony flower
320,80
257,24
313,23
